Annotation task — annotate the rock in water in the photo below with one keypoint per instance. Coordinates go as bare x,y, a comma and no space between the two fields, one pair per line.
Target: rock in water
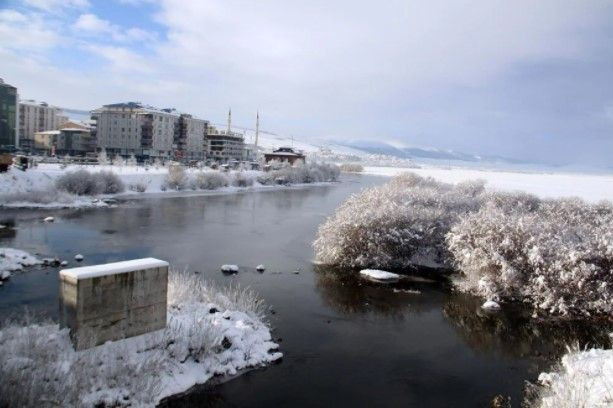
4,275
64,263
49,219
490,305
229,268
379,276
260,268
78,257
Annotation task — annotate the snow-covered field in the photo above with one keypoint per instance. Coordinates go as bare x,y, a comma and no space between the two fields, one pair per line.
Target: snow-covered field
592,188
210,332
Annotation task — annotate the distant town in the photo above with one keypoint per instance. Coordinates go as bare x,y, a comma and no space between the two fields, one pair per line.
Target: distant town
125,129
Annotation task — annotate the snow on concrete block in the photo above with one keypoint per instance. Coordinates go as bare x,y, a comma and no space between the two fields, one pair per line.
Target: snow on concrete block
113,301
49,219
229,268
490,305
78,257
379,276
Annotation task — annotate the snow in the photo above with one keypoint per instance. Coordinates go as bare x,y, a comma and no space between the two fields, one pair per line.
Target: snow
490,305
229,268
35,187
585,379
140,371
15,260
78,257
260,268
94,271
378,275
49,219
590,187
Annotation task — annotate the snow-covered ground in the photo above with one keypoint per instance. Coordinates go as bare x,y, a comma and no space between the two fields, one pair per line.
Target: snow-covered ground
35,188
592,188
15,260
585,379
210,332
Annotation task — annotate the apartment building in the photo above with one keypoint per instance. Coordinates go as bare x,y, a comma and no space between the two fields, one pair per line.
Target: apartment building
9,118
190,138
225,145
133,128
37,117
73,138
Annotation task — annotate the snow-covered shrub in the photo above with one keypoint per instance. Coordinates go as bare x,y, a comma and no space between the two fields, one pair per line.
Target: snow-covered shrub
43,197
82,182
556,255
102,157
396,225
108,182
209,332
352,167
242,180
209,180
139,187
584,378
176,178
300,173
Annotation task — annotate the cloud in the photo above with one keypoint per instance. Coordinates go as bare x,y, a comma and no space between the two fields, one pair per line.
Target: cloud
90,24
54,6
26,32
520,78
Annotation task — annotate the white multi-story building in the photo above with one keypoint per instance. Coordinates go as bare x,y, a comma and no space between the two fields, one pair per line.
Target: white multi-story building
133,128
37,117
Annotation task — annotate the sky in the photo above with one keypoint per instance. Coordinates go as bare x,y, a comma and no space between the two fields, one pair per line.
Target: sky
529,80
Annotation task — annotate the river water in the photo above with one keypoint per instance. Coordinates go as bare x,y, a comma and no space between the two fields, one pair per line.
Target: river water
346,342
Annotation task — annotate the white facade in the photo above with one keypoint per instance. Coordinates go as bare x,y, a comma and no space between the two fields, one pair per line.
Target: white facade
37,117
131,128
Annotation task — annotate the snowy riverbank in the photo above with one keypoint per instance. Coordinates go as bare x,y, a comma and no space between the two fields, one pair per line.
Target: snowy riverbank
37,187
210,332
584,379
590,187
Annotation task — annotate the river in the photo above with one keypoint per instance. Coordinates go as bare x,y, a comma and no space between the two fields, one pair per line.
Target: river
346,342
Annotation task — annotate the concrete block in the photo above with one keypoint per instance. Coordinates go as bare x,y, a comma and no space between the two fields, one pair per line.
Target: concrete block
113,301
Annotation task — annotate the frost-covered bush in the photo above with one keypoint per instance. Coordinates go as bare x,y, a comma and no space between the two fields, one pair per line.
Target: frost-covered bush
43,197
176,178
108,182
396,225
209,180
139,187
82,182
242,180
209,332
556,255
352,167
584,378
300,173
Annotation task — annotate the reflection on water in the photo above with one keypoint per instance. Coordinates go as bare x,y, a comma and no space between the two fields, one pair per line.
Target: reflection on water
348,293
513,332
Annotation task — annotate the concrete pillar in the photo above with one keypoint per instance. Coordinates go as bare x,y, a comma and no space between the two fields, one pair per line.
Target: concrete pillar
113,301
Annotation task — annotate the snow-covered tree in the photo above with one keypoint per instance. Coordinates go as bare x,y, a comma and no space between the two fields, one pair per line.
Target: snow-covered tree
397,225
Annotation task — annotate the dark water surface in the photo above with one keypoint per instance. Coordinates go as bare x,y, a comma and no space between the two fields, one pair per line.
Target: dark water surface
346,342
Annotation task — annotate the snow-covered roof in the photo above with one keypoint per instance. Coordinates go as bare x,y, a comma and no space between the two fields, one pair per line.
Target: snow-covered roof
48,132
94,271
284,154
75,129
